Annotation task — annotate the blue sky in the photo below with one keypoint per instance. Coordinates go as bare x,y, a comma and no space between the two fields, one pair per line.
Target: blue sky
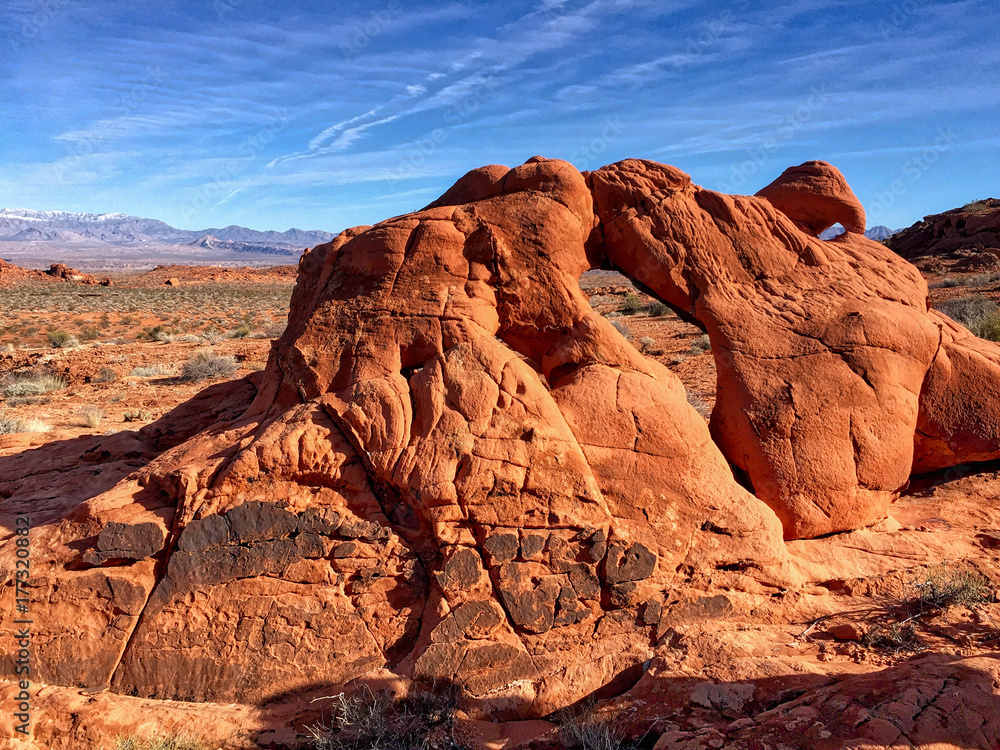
323,115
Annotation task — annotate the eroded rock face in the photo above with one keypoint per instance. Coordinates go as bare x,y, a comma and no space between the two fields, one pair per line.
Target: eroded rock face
975,228
453,470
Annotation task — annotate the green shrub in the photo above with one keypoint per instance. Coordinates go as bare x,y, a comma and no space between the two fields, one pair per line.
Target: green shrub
61,339
657,309
241,331
152,333
206,364
632,304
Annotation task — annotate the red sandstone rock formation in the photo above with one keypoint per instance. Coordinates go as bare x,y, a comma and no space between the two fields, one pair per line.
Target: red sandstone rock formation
972,229
453,470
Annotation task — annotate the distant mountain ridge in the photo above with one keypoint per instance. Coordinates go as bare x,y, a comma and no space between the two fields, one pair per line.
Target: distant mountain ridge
877,233
122,230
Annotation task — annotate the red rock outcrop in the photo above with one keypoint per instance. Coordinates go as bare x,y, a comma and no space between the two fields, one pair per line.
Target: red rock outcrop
971,229
816,196
454,471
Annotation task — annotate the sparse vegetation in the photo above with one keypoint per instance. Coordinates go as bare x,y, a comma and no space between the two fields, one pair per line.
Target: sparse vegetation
158,743
378,721
975,280
151,371
10,424
632,304
701,344
123,312
623,329
939,589
591,731
976,206
657,309
33,385
62,339
977,313
895,638
944,587
647,345
106,375
92,416
206,364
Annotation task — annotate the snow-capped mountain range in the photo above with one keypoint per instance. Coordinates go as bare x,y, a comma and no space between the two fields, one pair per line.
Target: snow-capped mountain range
877,233
124,231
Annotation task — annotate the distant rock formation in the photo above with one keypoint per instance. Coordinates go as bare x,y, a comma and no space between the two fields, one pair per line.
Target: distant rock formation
970,230
453,471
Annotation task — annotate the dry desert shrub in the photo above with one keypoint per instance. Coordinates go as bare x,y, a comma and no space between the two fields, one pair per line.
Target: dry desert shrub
274,330
944,587
379,721
701,344
657,309
647,345
32,385
62,339
151,371
206,364
977,313
10,424
92,416
106,375
623,329
158,743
